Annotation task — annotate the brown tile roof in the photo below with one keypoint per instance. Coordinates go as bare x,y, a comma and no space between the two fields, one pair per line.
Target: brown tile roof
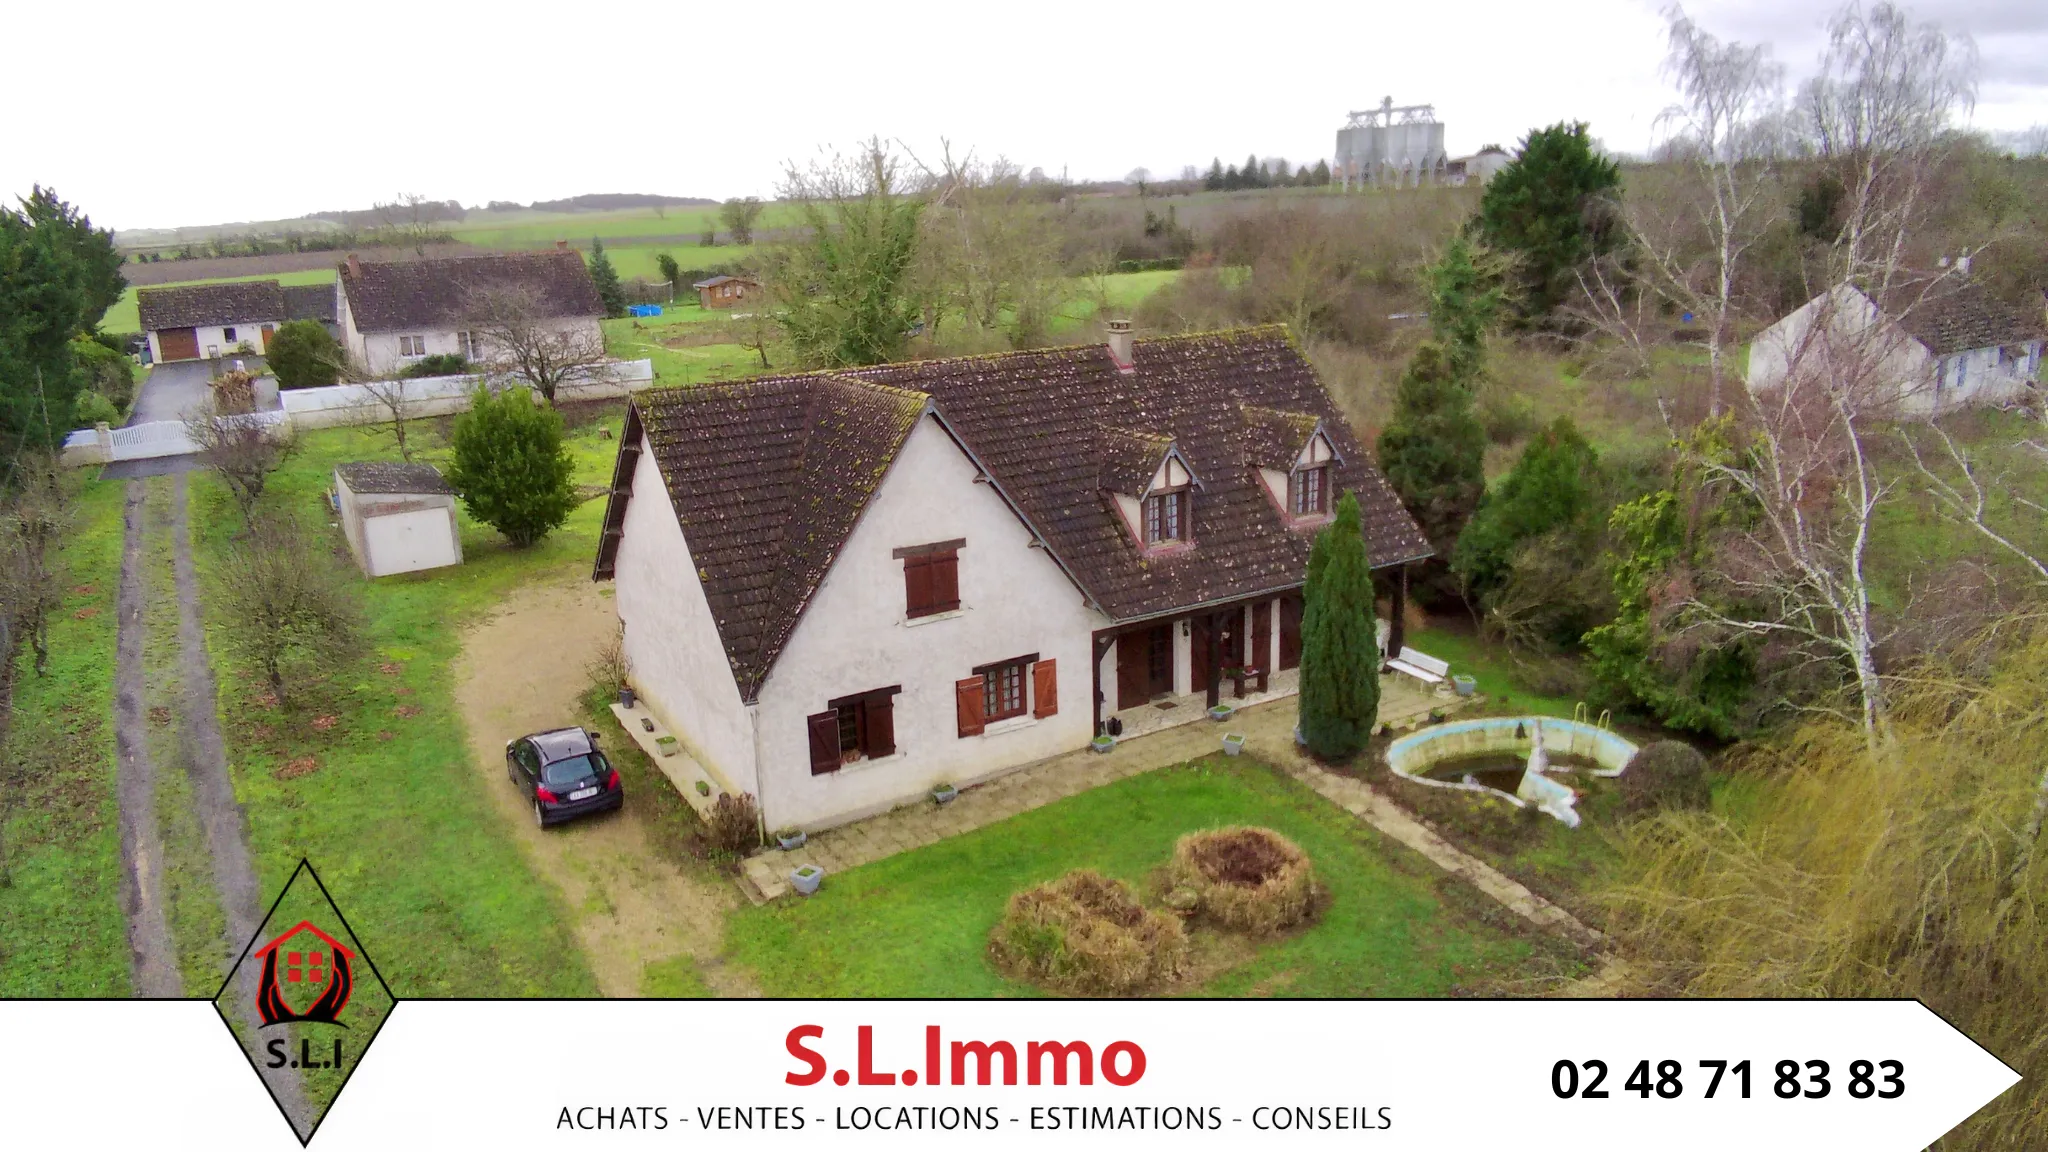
1969,318
1275,439
767,478
385,297
195,305
309,302
393,477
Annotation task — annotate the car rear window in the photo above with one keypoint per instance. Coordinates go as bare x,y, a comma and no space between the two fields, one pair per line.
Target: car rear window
562,773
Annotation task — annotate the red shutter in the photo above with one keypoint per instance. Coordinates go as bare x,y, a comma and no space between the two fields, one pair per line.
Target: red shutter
824,728
967,698
917,585
880,732
945,569
1045,689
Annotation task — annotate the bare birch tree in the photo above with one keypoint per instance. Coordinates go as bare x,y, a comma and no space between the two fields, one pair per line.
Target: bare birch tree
1879,108
519,338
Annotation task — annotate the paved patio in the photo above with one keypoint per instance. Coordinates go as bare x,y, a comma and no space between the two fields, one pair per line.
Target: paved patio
1268,728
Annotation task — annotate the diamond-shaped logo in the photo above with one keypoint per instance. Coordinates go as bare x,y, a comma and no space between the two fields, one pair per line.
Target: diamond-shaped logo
304,1001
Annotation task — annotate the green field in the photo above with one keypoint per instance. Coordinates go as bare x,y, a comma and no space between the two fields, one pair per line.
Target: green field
916,924
121,317
679,226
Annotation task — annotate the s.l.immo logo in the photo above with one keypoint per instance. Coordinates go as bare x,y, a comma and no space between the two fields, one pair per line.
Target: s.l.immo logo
304,966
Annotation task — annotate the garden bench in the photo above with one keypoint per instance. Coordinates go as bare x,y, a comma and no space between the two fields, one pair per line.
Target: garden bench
1420,665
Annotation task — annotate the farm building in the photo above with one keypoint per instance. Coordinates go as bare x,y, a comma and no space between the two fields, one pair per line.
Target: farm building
725,291
393,314
1477,168
841,589
397,517
1953,347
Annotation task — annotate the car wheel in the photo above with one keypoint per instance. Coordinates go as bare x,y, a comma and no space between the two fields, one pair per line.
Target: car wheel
539,817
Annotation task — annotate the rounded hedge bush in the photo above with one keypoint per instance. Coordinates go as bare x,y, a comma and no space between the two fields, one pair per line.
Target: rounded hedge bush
1248,879
1087,933
1665,774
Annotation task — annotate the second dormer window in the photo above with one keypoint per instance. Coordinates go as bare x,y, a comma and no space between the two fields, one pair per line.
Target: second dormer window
1311,491
1166,517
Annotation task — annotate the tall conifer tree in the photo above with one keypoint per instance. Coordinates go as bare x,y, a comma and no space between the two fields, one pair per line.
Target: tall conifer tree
1340,666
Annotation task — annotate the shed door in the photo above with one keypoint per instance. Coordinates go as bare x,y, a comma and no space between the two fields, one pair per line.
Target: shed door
179,343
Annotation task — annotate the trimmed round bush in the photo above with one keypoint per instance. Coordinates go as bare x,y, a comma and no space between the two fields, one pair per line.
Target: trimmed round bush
1087,933
1665,774
1248,879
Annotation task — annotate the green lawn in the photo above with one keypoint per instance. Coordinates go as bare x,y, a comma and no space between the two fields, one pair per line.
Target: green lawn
393,818
529,229
122,318
1490,665
917,924
62,931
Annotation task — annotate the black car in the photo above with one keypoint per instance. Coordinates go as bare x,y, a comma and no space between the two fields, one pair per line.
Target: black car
563,774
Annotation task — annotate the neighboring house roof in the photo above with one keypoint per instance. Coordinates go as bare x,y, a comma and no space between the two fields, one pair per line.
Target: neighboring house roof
1968,318
437,294
309,302
715,281
768,477
391,477
205,305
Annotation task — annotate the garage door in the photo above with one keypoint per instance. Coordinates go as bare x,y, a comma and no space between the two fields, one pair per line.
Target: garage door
178,343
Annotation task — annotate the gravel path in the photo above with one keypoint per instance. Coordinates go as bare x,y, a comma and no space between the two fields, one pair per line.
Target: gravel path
152,957
213,794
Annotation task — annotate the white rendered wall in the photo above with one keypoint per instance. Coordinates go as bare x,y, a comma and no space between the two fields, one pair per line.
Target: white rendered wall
854,637
677,662
1854,321
378,351
214,336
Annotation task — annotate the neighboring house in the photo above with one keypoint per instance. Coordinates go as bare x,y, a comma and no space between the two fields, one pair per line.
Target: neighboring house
397,517
1954,348
393,314
724,291
203,320
840,589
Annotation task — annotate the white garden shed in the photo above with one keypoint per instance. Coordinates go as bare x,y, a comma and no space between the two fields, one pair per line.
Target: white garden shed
398,517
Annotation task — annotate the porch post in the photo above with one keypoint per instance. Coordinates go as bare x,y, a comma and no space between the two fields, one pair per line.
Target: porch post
1212,670
1099,644
1396,630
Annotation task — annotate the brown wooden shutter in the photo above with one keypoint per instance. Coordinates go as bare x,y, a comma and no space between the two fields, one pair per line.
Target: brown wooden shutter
945,581
880,732
824,728
967,697
1045,689
917,585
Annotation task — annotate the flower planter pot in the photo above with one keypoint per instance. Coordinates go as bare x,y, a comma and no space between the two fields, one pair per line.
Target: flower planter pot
668,745
806,879
626,696
791,841
944,793
1103,743
1233,743
1436,715
703,788
1465,685
1221,712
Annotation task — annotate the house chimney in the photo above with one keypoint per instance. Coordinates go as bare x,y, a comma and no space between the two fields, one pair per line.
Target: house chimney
1120,350
561,245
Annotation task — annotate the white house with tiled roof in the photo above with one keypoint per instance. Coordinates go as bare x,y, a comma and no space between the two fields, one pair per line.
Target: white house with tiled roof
393,314
842,589
1952,345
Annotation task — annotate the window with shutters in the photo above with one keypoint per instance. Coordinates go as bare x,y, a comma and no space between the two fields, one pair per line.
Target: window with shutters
1166,517
1003,691
1007,690
1311,492
853,728
931,578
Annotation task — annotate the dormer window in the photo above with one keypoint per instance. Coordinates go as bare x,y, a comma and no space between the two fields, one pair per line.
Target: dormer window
1311,496
1166,517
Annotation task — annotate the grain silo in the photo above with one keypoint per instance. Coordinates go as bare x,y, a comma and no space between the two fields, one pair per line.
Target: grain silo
1390,147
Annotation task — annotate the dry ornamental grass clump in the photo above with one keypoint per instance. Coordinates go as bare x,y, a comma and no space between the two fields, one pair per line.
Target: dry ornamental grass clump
1087,933
1248,879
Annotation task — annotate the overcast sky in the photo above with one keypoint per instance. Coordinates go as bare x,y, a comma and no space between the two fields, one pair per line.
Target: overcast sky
206,111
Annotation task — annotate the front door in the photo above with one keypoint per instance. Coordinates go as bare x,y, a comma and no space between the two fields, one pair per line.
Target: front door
1290,631
1198,654
1262,637
1133,656
268,330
